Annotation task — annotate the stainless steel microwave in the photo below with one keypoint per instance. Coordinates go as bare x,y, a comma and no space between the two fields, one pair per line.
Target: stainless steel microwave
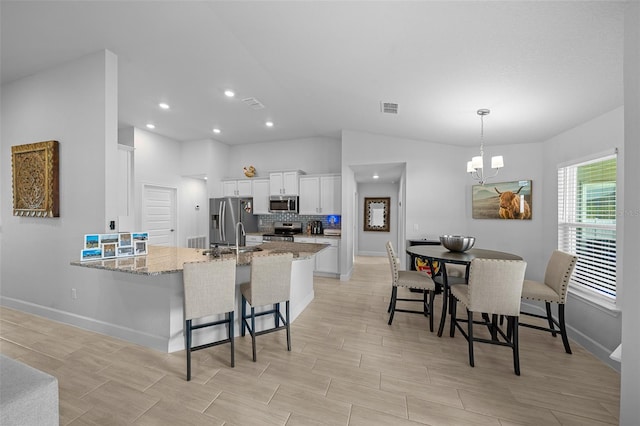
283,203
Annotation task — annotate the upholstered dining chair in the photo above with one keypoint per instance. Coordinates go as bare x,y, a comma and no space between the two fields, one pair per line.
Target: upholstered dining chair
412,280
494,288
209,289
270,284
552,290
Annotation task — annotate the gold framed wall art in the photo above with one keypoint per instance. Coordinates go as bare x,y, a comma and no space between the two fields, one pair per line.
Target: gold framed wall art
36,190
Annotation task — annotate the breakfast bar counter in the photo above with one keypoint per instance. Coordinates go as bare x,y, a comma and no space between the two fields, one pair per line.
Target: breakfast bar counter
168,260
142,297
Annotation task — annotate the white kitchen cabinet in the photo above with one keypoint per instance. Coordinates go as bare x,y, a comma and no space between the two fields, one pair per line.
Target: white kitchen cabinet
284,183
261,196
320,195
237,188
327,262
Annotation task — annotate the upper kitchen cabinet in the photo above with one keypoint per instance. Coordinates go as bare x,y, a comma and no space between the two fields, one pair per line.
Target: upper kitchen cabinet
321,195
284,183
237,188
261,196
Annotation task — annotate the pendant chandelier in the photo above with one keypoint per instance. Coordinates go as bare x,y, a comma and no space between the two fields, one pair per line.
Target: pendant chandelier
475,167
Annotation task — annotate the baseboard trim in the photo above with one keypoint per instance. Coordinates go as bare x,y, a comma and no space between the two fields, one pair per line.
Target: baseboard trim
595,348
91,324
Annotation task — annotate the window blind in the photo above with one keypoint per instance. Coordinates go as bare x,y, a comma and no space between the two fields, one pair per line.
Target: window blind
587,222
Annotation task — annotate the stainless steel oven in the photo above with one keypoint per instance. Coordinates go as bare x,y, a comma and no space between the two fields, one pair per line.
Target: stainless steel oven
267,238
283,231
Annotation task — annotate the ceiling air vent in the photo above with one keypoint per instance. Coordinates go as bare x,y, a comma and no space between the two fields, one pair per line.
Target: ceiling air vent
253,103
388,107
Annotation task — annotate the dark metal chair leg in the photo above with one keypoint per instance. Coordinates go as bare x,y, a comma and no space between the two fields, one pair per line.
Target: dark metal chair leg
550,319
445,302
452,312
288,326
515,342
494,327
425,302
231,333
243,317
563,329
432,298
187,345
276,314
470,336
253,332
394,295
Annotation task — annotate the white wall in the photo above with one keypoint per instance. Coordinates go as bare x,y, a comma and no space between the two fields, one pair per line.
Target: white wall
522,237
311,155
372,243
435,203
70,104
630,374
595,328
193,208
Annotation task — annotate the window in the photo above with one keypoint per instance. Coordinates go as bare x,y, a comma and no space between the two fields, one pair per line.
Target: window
587,223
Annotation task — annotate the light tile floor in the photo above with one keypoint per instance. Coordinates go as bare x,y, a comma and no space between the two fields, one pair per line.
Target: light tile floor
346,367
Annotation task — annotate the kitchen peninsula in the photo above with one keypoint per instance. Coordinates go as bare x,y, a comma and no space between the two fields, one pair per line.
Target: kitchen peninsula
149,297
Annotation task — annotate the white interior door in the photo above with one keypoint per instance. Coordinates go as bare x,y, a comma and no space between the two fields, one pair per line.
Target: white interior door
159,215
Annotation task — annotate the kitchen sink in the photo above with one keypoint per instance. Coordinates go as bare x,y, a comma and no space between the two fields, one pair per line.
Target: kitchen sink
229,250
245,249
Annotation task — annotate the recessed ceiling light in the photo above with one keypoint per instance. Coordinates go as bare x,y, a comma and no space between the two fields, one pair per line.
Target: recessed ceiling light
376,176
163,105
229,93
269,124
205,178
216,130
151,126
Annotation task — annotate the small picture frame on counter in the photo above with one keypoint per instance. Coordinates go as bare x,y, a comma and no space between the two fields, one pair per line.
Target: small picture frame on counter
125,251
108,238
140,236
109,250
140,248
91,241
91,254
124,239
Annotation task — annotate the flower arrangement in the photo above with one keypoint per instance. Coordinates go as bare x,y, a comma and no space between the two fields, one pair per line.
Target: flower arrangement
249,171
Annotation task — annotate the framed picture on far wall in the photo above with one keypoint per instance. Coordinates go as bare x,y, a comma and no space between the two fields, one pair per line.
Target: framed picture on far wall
504,200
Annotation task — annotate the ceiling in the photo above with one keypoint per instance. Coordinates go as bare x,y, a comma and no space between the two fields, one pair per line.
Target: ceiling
320,67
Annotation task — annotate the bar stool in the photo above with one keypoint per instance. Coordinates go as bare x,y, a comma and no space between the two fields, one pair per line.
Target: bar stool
270,285
415,280
494,288
209,289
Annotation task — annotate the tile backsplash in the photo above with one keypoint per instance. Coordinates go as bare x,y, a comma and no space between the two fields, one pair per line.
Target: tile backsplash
265,222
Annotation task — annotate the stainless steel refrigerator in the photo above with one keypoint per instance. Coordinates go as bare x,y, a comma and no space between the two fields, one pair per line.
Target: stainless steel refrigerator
224,215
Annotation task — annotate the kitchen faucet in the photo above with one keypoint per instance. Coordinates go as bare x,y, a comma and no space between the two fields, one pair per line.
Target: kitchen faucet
239,225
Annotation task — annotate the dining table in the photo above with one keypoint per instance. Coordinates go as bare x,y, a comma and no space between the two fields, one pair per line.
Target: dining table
437,257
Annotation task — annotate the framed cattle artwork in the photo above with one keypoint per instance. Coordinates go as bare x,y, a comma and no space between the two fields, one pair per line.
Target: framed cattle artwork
505,200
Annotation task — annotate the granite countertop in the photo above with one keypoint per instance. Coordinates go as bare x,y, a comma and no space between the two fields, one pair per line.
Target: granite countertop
169,260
